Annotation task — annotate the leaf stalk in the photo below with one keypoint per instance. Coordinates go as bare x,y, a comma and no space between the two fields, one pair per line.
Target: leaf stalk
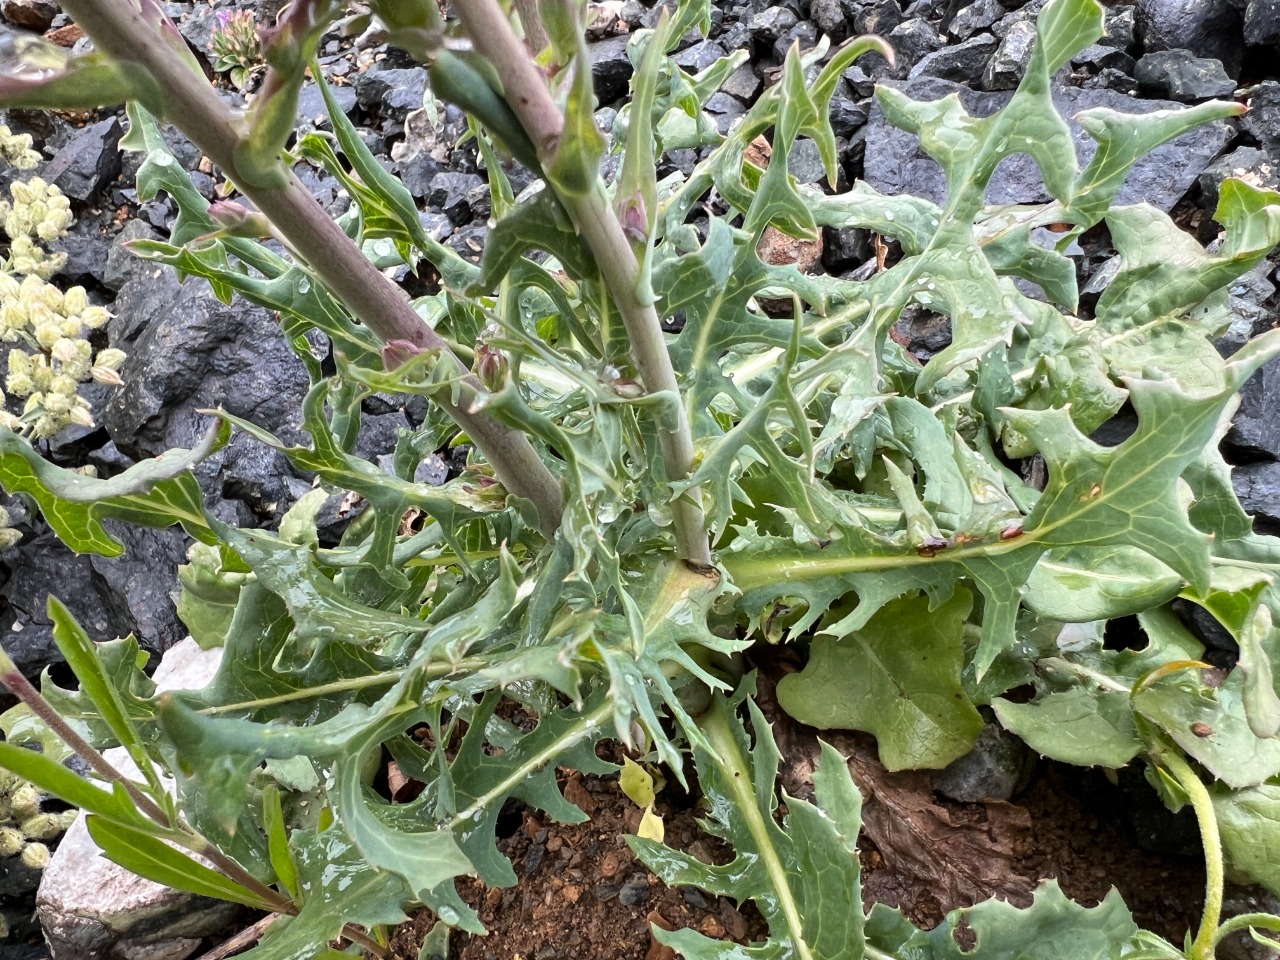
1208,935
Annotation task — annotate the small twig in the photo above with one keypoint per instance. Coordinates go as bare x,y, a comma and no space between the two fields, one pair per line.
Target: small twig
246,937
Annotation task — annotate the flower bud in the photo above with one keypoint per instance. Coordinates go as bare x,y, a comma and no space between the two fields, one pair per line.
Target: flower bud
74,302
24,802
491,366
238,220
94,317
43,826
35,856
64,384
634,220
105,376
110,358
47,334
10,842
81,416
396,353
64,351
19,384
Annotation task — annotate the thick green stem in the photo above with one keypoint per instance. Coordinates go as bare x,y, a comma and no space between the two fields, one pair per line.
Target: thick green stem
1207,937
120,29
529,98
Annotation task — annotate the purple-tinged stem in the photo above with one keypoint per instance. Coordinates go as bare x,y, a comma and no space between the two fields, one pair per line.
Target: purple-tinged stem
128,30
530,99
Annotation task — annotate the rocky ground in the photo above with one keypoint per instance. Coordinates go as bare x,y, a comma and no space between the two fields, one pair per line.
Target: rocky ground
188,351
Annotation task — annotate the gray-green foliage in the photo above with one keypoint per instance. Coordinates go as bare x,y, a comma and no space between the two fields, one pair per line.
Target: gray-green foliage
858,502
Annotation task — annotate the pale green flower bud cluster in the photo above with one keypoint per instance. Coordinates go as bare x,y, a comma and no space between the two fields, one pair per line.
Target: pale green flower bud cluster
38,213
16,148
52,325
24,830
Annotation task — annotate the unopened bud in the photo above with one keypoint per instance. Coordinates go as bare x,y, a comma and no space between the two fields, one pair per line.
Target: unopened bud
35,856
111,358
64,351
237,220
396,353
25,802
634,219
43,826
105,376
491,366
80,416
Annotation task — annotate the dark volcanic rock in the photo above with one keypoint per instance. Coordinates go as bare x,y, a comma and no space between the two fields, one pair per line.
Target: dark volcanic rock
1263,118
1208,28
312,112
391,94
121,265
1255,431
188,351
258,477
450,193
1258,487
725,109
698,57
88,161
962,63
803,33
1181,75
996,767
36,569
135,588
1262,22
744,83
87,246
830,18
804,162
1007,65
896,164
1247,163
1100,56
976,16
198,26
912,41
874,16
110,596
610,68
771,23
1118,29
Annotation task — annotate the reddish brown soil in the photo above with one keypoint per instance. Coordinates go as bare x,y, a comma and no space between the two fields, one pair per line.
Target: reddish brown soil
582,896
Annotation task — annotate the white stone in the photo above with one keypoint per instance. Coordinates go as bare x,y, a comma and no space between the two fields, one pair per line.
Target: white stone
92,909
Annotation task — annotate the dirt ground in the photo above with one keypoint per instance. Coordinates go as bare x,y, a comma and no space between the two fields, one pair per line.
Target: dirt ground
582,896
